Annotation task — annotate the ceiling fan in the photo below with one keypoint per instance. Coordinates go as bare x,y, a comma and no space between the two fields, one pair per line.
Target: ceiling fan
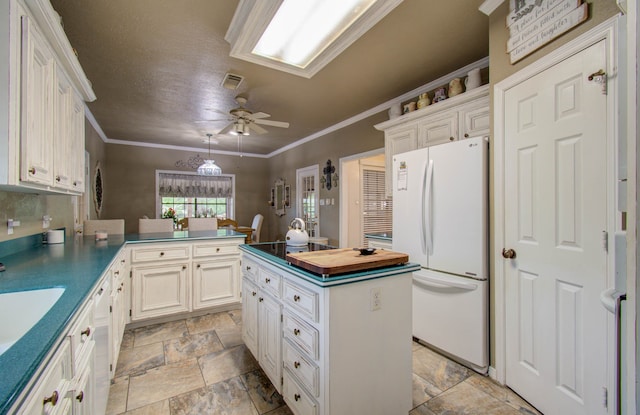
244,120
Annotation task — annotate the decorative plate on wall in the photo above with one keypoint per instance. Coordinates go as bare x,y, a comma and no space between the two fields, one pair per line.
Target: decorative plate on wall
97,190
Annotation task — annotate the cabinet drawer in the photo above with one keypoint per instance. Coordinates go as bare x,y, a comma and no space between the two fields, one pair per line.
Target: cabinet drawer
305,371
160,252
249,269
213,249
301,334
270,281
301,300
295,396
81,334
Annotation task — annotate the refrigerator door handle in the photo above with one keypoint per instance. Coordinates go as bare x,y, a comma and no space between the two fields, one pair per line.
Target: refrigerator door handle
435,282
423,232
426,209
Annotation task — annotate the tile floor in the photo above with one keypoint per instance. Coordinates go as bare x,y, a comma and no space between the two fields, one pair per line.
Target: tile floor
200,366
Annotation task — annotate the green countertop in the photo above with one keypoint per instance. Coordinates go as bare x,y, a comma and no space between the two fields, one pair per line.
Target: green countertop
76,266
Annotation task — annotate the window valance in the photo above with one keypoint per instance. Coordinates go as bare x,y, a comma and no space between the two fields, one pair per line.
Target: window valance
187,185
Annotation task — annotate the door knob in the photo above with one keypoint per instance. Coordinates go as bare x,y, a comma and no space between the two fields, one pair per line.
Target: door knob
508,253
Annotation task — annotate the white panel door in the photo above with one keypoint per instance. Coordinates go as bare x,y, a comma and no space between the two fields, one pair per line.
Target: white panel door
555,216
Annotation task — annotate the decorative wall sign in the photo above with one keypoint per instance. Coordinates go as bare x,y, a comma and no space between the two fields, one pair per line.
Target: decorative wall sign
534,23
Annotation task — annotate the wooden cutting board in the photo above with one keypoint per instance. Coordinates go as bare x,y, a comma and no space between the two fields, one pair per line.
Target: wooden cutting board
344,260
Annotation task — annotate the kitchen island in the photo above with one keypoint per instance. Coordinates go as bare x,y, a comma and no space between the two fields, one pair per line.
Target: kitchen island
331,345
82,267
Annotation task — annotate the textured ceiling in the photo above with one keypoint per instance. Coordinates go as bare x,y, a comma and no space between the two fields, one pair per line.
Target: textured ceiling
156,67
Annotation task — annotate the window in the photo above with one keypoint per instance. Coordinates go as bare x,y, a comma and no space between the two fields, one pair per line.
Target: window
377,210
191,195
307,198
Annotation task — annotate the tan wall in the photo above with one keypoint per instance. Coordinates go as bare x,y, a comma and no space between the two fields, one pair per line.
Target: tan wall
501,68
29,208
130,182
355,139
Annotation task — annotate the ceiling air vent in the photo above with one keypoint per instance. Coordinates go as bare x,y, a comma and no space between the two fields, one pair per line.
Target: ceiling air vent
232,81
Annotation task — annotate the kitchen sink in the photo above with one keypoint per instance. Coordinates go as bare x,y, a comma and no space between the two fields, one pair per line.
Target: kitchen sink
21,310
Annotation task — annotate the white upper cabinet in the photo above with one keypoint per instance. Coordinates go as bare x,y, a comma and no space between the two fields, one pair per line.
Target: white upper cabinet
42,117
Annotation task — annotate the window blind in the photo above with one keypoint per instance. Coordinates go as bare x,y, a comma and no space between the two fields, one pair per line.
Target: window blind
187,185
377,210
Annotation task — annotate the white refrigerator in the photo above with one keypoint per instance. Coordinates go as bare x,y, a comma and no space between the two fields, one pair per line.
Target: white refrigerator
440,219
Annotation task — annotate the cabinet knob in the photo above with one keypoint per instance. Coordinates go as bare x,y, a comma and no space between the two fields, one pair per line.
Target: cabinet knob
248,268
75,183
260,299
296,396
451,139
296,298
116,272
466,135
296,332
184,267
32,170
253,293
119,289
217,249
53,399
267,280
161,253
296,364
80,396
198,266
86,332
58,179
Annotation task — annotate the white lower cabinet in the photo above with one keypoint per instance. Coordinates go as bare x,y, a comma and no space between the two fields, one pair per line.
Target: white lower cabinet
160,290
216,282
334,352
51,393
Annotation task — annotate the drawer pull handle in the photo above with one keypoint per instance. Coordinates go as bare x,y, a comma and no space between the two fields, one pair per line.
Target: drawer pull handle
260,299
296,364
296,298
267,280
296,332
296,396
86,332
161,253
80,396
53,399
253,293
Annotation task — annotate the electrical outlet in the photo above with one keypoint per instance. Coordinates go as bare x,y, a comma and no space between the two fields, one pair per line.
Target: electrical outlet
376,298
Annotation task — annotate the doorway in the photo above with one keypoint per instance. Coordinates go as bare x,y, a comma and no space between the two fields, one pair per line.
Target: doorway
353,225
555,198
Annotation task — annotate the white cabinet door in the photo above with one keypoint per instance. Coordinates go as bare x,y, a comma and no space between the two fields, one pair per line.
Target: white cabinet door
37,107
160,290
474,118
63,150
270,338
250,316
216,282
76,135
83,392
438,129
398,140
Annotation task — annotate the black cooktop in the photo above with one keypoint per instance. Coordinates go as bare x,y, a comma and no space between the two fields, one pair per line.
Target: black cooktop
281,249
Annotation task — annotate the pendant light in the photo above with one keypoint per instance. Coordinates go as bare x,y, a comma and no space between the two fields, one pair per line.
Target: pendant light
209,167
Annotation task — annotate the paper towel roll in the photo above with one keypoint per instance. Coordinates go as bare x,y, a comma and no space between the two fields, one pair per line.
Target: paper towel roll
55,236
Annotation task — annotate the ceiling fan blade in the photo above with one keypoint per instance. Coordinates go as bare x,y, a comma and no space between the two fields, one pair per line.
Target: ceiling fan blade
257,128
226,129
213,120
272,123
258,115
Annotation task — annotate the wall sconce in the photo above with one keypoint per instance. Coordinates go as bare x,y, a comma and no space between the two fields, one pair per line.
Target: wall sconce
334,179
323,180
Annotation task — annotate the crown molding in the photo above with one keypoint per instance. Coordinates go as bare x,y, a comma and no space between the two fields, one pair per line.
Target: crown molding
489,6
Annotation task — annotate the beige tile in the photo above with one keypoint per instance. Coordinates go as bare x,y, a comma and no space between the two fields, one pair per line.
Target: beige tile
226,364
157,408
127,340
194,345
423,390
283,410
138,359
488,385
210,322
514,400
228,397
421,410
164,382
262,393
117,401
230,337
465,399
159,332
236,316
438,370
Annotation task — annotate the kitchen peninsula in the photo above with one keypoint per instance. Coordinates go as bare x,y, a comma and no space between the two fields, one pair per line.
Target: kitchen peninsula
49,367
334,344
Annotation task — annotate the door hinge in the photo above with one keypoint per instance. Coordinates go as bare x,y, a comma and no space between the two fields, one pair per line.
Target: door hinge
129,312
281,318
111,309
605,241
110,367
130,274
605,397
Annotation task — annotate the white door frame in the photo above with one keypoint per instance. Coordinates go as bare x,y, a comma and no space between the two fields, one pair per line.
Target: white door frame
344,189
606,31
